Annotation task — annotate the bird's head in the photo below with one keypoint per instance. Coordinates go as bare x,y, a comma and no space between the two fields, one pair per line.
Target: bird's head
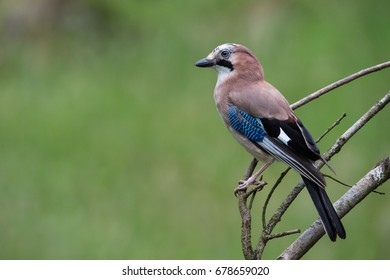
233,59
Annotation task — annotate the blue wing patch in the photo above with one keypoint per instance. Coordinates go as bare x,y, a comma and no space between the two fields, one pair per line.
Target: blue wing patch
244,123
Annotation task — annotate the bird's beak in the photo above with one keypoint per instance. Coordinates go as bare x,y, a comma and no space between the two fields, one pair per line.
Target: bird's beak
205,62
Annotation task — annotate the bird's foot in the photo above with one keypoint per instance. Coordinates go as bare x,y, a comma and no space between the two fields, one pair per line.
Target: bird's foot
244,184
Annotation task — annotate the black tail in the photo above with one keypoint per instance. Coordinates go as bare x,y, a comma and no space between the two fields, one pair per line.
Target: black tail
331,221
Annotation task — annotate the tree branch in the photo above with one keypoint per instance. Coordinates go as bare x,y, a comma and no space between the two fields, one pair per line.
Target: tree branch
357,126
373,179
339,83
246,217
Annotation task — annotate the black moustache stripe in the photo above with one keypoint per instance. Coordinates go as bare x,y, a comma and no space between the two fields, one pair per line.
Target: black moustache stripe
225,63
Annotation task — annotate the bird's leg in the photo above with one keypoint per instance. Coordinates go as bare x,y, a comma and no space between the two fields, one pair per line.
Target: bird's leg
243,185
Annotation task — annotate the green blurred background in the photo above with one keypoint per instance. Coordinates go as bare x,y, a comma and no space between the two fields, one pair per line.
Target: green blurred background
111,146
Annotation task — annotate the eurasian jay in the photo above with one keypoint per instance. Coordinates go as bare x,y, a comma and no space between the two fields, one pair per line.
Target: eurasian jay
261,120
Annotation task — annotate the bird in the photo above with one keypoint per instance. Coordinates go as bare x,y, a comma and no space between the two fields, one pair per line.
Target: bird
260,118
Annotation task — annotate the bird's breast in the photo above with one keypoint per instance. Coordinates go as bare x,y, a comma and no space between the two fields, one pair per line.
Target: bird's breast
221,101
250,146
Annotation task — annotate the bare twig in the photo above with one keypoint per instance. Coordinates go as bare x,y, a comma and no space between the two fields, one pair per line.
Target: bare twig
246,226
246,217
284,233
336,123
267,200
357,126
336,180
373,179
346,185
251,168
339,83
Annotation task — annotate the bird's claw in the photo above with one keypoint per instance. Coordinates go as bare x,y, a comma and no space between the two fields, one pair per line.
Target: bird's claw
243,185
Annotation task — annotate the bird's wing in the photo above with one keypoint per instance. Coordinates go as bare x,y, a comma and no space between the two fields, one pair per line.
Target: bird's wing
293,134
260,100
265,102
253,128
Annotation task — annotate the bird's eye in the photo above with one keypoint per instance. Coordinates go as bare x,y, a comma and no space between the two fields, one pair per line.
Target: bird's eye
225,54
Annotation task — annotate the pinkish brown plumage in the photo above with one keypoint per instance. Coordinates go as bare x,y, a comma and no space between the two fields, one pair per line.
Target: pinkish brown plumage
261,120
